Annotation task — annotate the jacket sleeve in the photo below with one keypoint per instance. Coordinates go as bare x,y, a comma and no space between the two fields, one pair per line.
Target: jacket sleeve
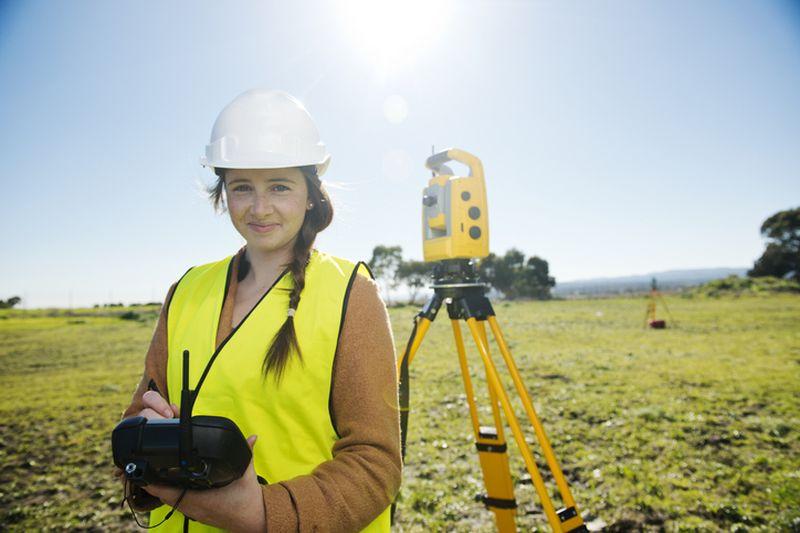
155,362
349,491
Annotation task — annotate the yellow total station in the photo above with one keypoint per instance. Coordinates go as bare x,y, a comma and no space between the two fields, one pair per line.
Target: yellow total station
455,221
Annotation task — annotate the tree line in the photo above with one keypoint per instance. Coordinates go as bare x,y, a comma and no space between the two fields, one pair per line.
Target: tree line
512,275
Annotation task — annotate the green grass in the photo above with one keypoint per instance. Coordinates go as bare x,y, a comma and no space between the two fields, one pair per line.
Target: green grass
692,427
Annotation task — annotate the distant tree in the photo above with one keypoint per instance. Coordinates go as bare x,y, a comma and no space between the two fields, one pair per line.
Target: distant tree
508,269
534,281
384,264
515,277
487,267
500,271
415,274
773,262
781,258
11,302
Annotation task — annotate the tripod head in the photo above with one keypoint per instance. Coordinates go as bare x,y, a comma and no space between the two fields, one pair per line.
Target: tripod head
449,271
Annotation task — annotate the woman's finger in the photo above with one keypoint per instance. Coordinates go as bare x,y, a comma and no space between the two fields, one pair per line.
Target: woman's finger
156,402
150,414
251,442
159,491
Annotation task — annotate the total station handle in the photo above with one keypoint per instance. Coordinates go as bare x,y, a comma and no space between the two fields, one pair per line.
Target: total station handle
437,161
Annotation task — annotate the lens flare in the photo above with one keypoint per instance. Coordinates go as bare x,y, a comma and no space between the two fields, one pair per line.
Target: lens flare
392,35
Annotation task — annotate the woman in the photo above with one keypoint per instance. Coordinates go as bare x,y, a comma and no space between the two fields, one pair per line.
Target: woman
302,349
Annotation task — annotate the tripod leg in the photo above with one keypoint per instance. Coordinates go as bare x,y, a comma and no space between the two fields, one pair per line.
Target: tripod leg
498,422
422,321
487,432
527,455
650,313
492,450
664,303
569,511
421,326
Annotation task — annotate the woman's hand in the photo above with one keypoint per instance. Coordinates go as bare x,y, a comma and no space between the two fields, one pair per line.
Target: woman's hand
238,506
155,407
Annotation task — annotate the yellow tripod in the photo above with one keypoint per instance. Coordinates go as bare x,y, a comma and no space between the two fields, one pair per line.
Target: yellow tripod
456,284
650,314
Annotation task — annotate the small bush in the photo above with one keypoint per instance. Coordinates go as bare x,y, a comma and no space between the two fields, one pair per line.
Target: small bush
736,286
129,315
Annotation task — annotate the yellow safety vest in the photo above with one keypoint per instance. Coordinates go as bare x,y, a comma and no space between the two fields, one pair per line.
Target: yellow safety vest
292,419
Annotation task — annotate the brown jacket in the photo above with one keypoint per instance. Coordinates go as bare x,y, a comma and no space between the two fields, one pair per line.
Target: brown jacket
349,491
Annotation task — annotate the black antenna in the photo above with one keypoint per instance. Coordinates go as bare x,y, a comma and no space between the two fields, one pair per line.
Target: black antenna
187,399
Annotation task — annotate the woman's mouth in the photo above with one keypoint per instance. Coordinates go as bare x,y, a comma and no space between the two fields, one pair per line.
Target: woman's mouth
262,228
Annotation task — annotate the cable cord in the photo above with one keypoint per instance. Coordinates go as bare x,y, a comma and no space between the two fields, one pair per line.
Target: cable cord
127,500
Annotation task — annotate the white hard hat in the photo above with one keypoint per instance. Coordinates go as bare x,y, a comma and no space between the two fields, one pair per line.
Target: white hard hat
265,129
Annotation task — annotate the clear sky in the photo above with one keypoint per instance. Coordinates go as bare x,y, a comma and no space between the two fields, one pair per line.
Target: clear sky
617,137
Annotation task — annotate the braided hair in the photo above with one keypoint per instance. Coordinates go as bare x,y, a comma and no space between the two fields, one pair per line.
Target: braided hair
316,219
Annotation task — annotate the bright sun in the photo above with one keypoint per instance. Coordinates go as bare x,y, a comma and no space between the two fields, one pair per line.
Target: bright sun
392,34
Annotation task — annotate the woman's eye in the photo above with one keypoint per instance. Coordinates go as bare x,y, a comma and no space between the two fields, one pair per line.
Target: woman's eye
247,188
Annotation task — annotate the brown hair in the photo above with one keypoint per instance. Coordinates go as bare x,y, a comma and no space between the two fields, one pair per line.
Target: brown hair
316,219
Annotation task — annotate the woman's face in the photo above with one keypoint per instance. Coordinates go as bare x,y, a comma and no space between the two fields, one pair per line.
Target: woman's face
267,206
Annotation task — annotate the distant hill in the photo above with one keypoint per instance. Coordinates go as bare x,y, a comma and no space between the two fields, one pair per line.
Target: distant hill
667,280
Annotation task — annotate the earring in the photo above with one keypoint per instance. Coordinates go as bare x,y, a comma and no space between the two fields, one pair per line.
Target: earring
310,205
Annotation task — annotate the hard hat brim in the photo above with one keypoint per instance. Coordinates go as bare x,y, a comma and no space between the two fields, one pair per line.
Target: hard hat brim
322,166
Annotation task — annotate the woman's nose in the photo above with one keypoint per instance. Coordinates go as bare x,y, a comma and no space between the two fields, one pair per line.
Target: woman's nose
262,204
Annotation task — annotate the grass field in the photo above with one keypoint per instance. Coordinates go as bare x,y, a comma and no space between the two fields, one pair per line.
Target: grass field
689,428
